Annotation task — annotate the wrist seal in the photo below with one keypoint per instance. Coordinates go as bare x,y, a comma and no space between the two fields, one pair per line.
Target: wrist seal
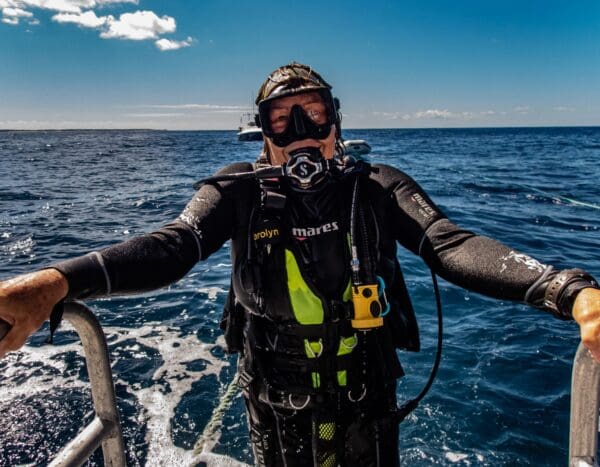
562,289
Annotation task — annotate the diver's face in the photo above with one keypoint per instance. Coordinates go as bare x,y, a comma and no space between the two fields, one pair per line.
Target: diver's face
279,115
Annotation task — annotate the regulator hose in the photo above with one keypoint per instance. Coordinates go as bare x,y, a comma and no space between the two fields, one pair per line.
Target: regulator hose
405,409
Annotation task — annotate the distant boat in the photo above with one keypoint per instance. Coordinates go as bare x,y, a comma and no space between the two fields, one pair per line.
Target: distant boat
248,129
357,147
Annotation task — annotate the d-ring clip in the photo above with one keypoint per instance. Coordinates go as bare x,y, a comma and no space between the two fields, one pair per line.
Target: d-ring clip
361,397
298,407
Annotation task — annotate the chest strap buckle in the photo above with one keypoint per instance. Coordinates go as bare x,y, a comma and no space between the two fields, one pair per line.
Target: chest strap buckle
244,379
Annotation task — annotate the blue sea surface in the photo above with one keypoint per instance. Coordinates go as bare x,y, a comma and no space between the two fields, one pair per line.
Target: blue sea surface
502,393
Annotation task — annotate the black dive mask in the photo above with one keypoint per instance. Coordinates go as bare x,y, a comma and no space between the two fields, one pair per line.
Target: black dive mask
299,124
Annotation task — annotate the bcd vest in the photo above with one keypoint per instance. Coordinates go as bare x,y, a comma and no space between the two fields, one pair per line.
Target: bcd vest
294,338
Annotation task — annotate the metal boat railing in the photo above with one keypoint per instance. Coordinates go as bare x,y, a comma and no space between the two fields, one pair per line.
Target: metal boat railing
585,396
105,429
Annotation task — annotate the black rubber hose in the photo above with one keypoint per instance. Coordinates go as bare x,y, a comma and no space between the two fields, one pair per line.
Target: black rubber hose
265,172
370,274
412,404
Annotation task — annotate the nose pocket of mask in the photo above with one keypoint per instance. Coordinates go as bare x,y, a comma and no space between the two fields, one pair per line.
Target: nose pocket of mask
297,120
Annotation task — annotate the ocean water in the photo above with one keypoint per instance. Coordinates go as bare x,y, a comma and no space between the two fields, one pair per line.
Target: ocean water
502,393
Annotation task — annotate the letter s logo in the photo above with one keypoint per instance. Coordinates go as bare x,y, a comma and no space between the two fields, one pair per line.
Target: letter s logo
303,169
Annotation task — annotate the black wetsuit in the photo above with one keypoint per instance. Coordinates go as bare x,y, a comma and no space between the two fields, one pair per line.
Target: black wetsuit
404,214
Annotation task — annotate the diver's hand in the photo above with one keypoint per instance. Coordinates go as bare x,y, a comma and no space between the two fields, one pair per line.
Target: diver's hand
586,311
26,302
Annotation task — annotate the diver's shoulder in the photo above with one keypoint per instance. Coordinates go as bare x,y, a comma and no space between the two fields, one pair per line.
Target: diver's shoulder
235,167
387,175
234,187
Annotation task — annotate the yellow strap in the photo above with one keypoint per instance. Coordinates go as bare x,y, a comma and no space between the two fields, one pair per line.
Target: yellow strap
313,349
346,346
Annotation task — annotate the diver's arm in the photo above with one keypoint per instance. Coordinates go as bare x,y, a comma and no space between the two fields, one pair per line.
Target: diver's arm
162,257
26,301
143,263
489,267
476,262
586,311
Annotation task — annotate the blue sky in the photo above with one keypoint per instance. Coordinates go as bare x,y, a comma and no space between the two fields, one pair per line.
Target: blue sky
196,64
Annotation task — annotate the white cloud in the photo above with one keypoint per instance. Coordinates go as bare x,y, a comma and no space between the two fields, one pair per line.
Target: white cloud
87,19
139,26
446,114
67,6
562,108
393,115
522,109
198,107
16,13
14,10
228,111
12,14
155,115
434,113
64,6
167,44
110,2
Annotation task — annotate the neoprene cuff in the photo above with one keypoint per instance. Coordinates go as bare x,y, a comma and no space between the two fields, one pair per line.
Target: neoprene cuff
555,291
86,276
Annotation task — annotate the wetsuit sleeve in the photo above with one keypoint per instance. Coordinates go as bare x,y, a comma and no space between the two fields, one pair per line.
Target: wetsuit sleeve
473,261
162,257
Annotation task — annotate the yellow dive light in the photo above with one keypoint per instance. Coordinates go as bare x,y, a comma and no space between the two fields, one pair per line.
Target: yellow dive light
367,307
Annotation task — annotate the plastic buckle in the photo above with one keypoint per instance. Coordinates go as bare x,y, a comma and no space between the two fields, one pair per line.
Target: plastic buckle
244,379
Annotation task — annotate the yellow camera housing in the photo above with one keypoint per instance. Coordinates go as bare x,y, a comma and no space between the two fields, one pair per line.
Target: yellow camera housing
367,308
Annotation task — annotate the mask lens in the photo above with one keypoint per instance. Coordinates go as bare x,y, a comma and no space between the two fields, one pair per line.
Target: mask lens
315,105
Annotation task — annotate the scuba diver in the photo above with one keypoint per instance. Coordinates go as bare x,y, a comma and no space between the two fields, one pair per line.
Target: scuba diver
318,304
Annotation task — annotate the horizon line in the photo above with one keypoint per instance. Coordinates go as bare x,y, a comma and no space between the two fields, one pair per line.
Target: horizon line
349,129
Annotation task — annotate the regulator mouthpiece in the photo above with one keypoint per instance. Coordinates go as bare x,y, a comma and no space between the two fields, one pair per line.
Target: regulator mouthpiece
306,168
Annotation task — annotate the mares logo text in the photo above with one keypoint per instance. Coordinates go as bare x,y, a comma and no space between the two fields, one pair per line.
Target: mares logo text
313,231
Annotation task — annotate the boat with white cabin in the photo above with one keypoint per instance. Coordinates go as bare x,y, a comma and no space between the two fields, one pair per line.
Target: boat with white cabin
248,129
356,147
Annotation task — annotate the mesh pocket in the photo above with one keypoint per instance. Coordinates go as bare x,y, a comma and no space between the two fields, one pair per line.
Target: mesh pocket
325,443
